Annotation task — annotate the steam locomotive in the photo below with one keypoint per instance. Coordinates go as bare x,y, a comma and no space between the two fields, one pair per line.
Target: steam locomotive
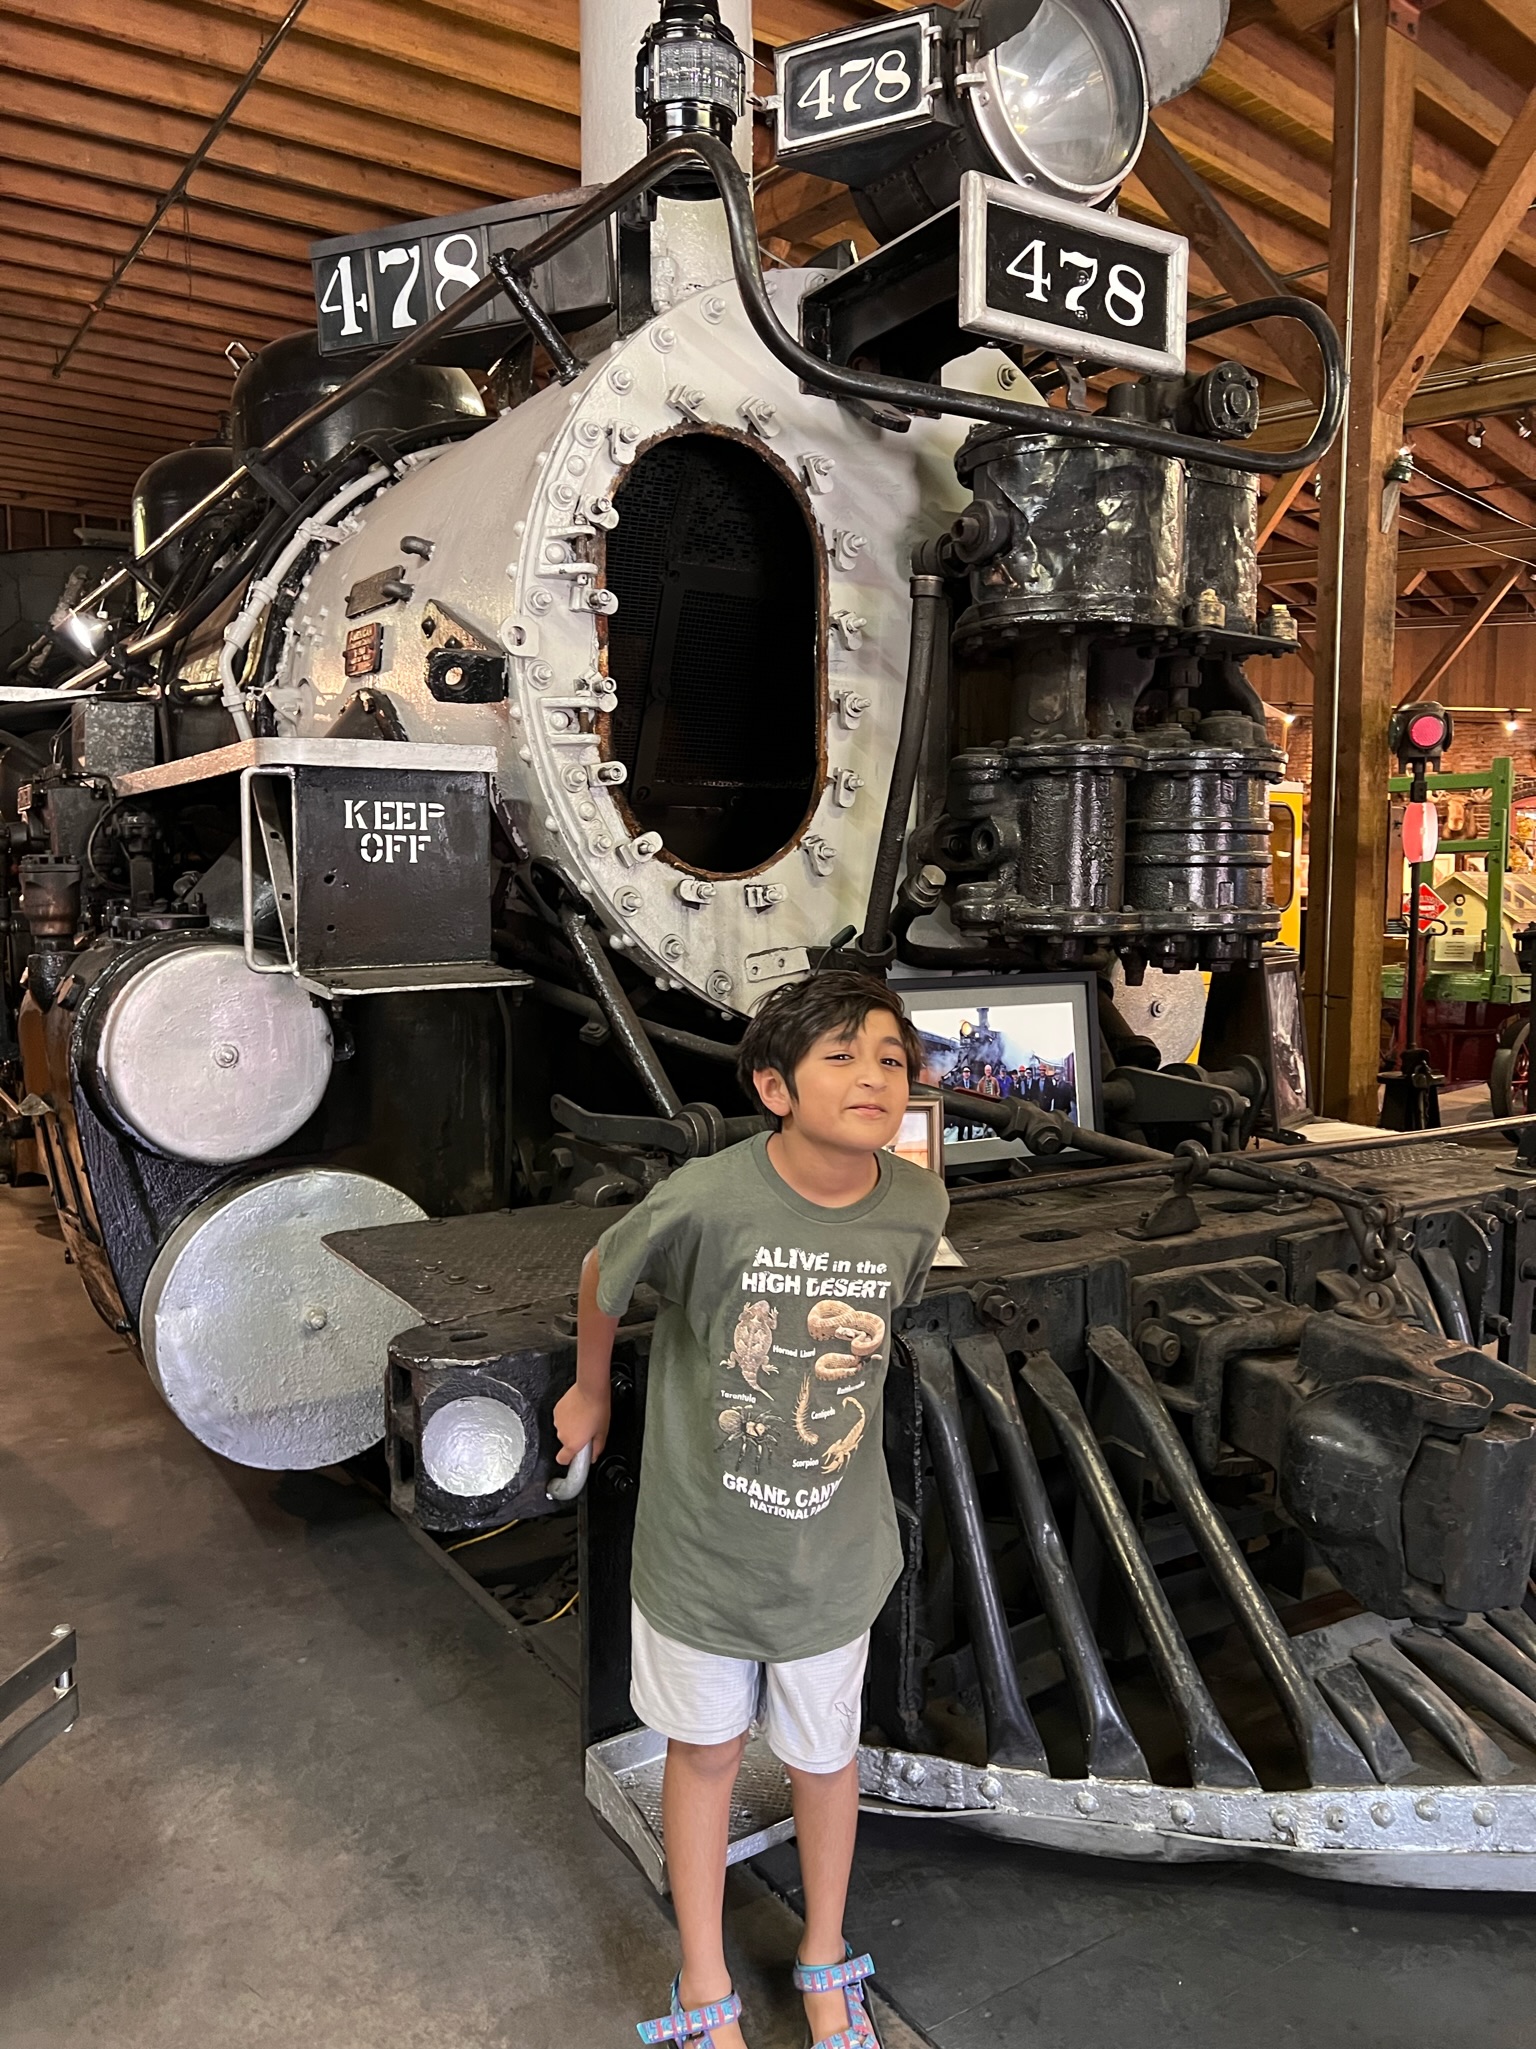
463,757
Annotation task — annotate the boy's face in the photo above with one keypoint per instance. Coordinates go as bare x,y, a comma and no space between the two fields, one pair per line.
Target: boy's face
850,1093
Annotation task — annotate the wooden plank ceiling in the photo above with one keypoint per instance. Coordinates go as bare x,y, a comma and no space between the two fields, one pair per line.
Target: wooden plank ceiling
373,111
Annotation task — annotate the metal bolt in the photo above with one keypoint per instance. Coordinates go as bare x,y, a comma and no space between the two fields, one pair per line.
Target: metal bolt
672,948
914,1771
1284,1821
1483,1814
1335,1817
663,338
990,1787
226,1055
315,1319
1381,1813
1181,1812
1453,1390
1085,1802
629,902
1425,1808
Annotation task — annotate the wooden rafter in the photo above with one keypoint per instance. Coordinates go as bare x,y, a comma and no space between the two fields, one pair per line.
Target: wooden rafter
1480,232
1436,667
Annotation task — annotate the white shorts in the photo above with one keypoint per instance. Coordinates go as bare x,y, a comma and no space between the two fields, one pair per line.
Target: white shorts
810,1709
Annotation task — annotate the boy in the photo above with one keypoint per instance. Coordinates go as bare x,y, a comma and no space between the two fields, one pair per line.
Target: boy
765,1537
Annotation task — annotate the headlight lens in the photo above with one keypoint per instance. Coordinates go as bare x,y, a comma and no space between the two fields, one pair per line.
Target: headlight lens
473,1445
1072,96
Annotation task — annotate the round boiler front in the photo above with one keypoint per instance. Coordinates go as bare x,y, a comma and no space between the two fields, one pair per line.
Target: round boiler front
267,1345
200,1057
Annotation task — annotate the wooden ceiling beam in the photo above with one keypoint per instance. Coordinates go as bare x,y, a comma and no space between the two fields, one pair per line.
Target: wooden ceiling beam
1266,72
292,140
105,210
234,316
1485,225
1450,458
1277,502
203,252
84,409
1482,549
516,48
265,188
140,354
304,80
117,429
1445,657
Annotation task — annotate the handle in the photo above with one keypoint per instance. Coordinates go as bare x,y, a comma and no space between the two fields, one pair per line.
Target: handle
575,1478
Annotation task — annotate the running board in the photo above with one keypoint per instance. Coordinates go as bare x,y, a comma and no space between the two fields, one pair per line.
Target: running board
624,1788
52,1672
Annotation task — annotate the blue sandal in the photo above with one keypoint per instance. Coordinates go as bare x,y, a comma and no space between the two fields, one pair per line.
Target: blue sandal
859,2033
691,2024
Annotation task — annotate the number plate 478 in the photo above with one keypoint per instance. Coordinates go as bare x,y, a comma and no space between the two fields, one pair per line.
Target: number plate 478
1069,279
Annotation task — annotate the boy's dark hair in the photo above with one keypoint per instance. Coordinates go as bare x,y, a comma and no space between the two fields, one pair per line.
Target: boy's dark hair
790,1021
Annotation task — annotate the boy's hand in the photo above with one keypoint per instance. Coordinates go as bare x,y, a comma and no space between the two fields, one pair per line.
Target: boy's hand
581,1418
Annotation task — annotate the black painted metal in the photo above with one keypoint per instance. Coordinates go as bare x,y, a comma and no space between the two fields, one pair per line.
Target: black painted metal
619,1011
1478,1636
1390,1672
1362,1714
1215,1757
927,608
1458,1668
1012,1738
1517,1626
1112,1750
1332,1757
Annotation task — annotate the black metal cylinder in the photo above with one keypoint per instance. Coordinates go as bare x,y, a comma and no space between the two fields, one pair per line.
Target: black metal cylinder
1095,534
289,375
1197,837
1220,558
1067,813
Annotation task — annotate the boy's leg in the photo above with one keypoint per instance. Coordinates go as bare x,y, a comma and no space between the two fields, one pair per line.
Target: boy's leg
696,1809
826,1821
813,1716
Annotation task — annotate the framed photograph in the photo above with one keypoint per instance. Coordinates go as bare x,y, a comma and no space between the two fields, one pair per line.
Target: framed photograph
1290,1077
921,1137
1034,1036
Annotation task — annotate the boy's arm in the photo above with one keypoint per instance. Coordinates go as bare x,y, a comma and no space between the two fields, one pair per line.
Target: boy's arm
581,1414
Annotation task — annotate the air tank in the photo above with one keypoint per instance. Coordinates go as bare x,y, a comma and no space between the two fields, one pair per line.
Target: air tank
289,375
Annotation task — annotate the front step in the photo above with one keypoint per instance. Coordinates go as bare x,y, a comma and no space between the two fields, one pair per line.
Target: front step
624,1786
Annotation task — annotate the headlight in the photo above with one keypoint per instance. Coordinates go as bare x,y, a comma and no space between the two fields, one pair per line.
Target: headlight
1063,99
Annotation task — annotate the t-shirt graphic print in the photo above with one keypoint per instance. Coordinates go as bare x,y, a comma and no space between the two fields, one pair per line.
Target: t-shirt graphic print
765,1527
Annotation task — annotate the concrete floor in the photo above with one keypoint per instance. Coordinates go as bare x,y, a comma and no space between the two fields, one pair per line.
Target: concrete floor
315,1796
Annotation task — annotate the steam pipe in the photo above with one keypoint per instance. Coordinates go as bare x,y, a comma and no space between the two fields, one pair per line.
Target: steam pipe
927,604
833,380
619,1011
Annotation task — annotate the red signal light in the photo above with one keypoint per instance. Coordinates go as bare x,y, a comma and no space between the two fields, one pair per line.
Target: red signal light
1426,733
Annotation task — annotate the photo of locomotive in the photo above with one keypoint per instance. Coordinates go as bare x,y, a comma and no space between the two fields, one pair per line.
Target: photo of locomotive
388,886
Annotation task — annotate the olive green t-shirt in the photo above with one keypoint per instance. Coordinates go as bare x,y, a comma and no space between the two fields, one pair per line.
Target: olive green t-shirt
765,1527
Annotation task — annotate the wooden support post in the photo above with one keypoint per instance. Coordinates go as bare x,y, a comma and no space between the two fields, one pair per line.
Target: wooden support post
1471,627
1357,590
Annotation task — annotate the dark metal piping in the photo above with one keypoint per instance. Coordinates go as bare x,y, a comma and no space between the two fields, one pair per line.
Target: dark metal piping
662,1034
875,945
618,1011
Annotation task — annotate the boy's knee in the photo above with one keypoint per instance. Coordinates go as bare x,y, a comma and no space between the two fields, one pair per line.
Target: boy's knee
708,1759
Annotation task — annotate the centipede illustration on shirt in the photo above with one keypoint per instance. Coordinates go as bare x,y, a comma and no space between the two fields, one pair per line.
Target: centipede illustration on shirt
820,1427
